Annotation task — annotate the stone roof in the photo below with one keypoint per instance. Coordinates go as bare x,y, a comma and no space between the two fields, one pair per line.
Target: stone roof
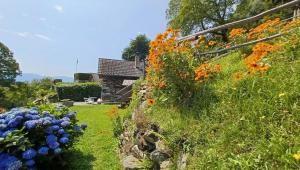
111,67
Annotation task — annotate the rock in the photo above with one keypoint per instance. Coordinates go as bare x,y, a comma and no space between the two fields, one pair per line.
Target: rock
160,146
182,161
159,156
127,147
133,116
143,105
130,162
165,164
154,127
144,141
137,152
145,146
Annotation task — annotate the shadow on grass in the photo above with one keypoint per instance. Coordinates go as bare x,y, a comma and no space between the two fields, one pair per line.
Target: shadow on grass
73,159
78,160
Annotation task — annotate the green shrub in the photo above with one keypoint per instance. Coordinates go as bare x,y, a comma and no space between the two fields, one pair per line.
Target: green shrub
20,93
78,91
82,77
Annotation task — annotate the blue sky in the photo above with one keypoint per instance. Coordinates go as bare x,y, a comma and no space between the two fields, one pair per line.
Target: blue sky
47,36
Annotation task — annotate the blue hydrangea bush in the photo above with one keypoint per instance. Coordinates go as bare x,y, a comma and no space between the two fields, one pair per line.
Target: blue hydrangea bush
31,137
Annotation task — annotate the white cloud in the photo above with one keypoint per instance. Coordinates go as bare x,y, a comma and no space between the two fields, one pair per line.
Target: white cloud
59,8
23,34
44,37
26,34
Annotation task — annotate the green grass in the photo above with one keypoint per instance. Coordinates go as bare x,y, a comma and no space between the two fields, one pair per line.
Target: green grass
97,148
253,123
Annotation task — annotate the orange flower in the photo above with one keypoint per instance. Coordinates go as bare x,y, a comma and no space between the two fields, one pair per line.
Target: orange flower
217,68
162,84
203,71
264,27
236,32
212,43
238,76
290,25
227,46
164,43
259,51
113,113
151,102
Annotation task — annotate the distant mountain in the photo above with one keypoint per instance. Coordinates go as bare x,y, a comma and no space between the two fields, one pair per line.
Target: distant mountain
30,76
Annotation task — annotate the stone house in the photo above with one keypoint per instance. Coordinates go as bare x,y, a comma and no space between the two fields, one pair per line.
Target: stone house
116,76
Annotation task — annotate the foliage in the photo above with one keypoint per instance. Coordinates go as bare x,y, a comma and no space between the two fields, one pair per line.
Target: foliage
78,91
9,68
78,77
172,69
248,8
37,137
196,15
137,47
21,94
16,95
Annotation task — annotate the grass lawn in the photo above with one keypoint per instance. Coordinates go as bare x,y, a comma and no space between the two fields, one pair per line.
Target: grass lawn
97,148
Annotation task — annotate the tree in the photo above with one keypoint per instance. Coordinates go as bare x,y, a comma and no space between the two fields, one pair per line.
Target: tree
196,15
248,8
138,46
9,68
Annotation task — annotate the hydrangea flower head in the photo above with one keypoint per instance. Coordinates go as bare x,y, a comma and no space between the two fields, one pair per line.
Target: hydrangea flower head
55,122
55,127
51,139
34,111
9,162
64,140
43,150
71,115
65,124
53,145
83,126
49,130
30,162
57,151
46,122
61,131
66,119
29,154
2,121
77,128
3,127
66,135
30,124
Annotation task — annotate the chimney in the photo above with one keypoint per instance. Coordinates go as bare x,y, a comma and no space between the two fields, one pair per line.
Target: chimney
137,61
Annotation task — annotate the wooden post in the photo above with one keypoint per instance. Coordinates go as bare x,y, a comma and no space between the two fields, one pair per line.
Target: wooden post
297,12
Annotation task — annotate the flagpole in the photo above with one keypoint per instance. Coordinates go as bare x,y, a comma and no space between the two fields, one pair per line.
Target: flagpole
76,65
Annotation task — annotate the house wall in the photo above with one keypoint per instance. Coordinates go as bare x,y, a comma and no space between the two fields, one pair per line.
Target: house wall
111,85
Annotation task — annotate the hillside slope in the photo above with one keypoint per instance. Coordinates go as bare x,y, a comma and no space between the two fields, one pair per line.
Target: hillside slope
240,121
